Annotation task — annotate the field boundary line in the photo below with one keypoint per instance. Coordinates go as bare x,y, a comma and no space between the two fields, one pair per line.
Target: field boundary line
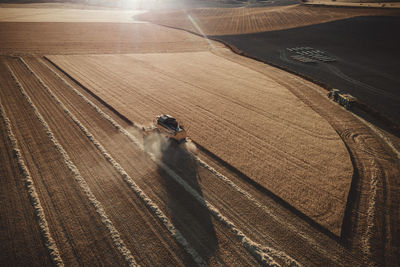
261,253
115,235
137,190
33,195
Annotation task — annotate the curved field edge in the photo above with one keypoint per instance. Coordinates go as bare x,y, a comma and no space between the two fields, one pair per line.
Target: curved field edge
365,229
95,91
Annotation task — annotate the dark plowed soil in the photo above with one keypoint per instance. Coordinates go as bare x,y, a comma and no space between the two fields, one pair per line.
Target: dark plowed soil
366,50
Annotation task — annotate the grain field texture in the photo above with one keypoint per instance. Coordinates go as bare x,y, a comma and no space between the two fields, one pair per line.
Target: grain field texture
91,38
264,223
144,237
21,235
214,243
226,21
372,212
69,213
29,14
211,102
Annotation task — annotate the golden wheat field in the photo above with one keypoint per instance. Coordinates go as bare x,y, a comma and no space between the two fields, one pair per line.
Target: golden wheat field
273,172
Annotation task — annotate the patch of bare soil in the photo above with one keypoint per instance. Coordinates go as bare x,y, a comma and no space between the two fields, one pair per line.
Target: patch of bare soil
364,65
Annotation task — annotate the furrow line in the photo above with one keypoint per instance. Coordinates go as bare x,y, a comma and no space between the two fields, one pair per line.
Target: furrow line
33,195
261,253
115,235
289,260
371,214
137,190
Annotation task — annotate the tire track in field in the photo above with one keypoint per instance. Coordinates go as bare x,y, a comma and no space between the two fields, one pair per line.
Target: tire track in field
115,236
261,253
143,196
33,195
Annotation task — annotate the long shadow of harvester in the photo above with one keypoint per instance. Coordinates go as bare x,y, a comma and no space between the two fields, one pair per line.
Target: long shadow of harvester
188,215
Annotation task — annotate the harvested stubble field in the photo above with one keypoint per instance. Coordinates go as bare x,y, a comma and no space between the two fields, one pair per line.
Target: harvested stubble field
39,38
225,21
257,130
86,189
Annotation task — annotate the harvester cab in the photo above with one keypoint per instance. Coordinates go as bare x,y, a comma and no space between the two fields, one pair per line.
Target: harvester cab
168,126
345,100
334,93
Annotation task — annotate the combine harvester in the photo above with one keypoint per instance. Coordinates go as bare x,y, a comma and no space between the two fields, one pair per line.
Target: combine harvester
346,100
169,127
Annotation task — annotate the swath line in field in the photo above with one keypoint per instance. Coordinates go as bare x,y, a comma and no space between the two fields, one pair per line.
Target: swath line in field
137,190
261,253
33,195
115,236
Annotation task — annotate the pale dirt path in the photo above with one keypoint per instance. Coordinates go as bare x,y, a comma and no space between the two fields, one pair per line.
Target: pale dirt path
270,225
69,214
211,239
20,233
223,110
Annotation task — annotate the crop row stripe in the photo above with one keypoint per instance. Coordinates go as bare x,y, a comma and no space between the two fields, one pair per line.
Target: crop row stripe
261,253
371,212
33,195
286,258
117,240
139,192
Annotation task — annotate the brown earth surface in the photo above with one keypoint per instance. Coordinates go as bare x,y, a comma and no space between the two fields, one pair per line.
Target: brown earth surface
225,21
181,208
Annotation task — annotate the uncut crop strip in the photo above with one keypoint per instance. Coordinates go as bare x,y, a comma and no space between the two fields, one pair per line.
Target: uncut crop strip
273,252
139,192
118,242
33,195
259,148
259,252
